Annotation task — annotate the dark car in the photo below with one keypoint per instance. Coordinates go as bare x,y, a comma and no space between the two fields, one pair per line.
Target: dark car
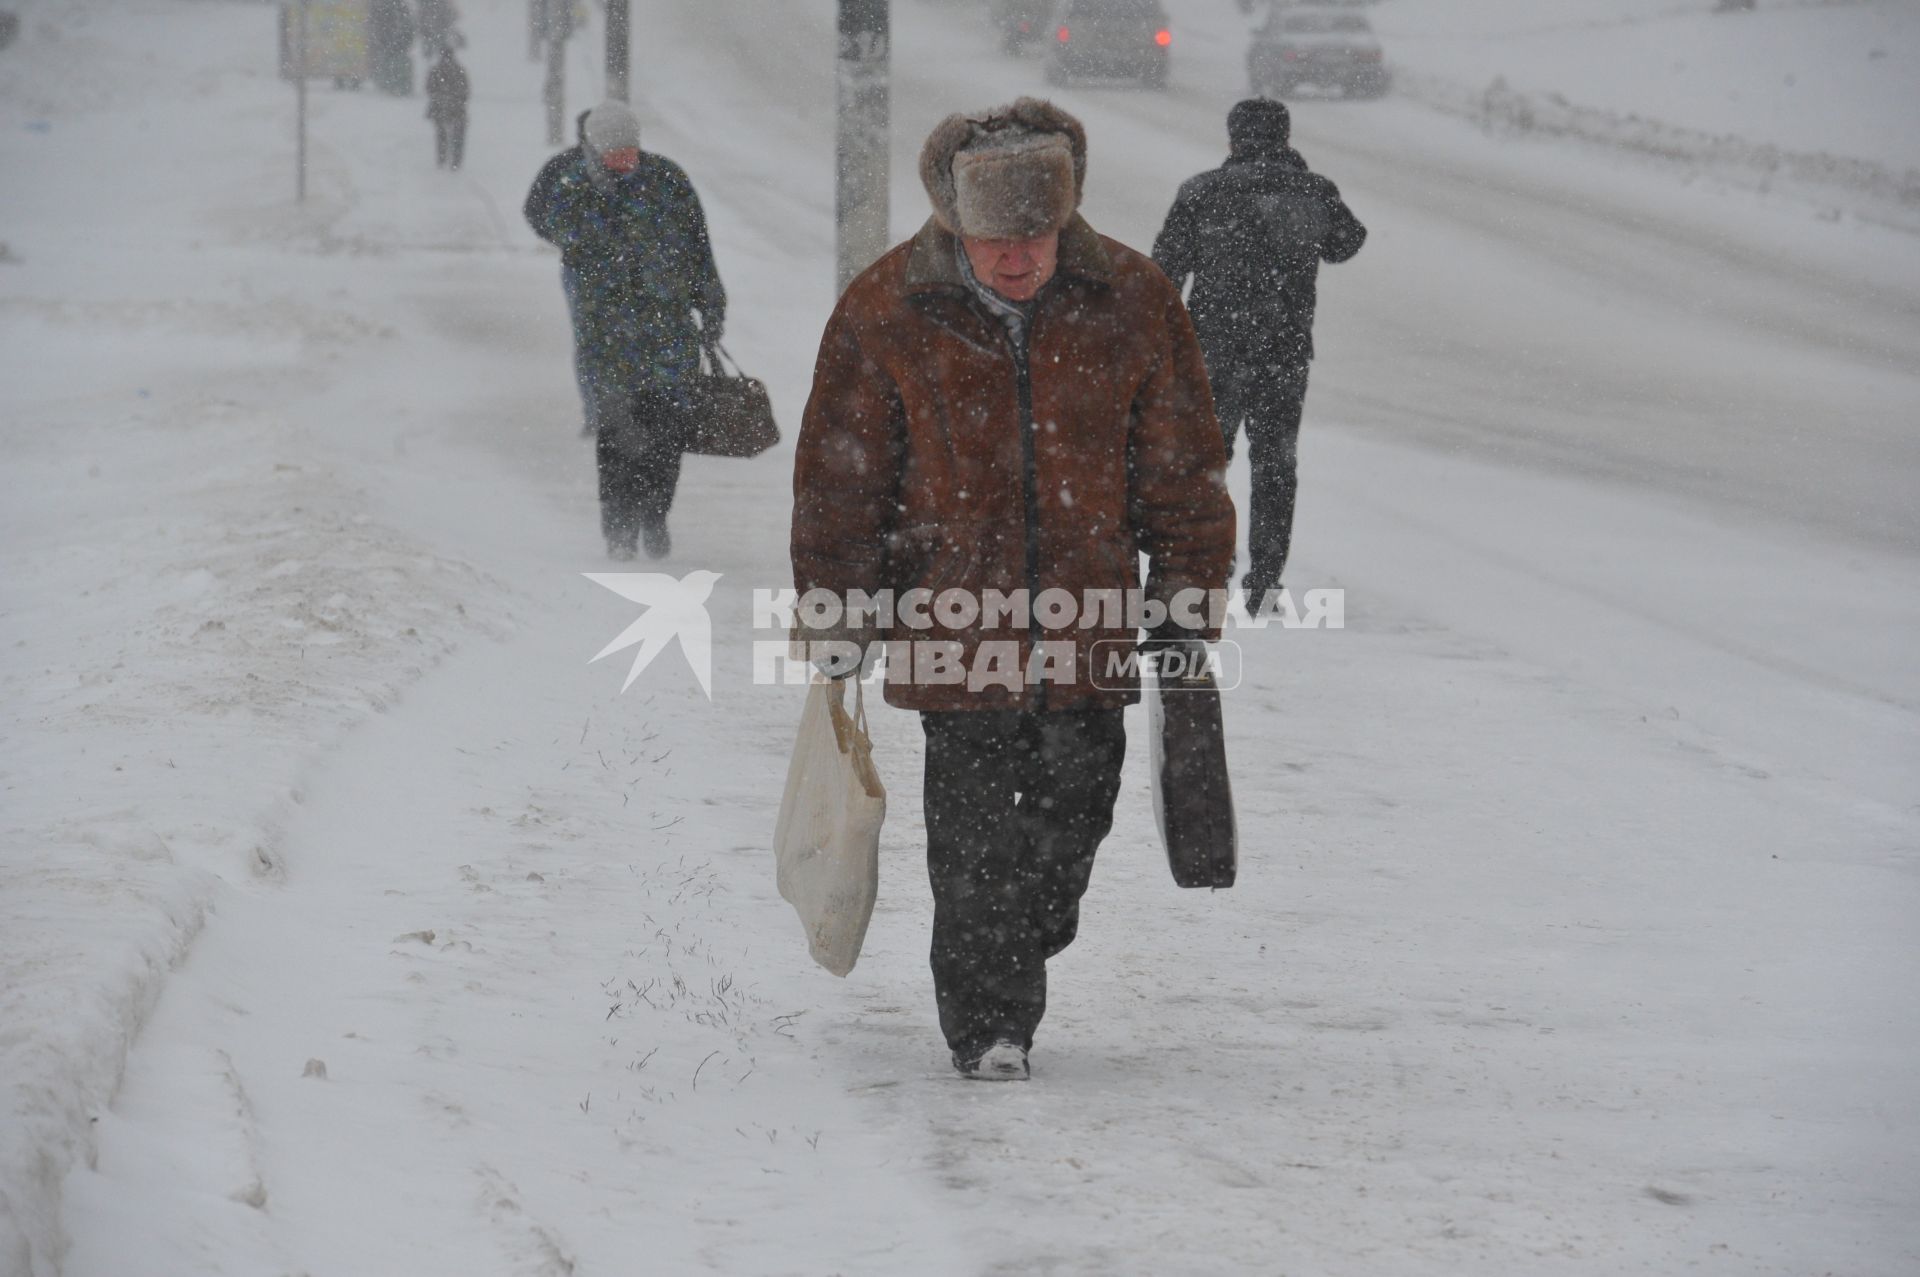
1130,38
1318,45
1020,23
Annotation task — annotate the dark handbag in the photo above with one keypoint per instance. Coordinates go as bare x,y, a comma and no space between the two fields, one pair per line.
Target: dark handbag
1192,798
731,414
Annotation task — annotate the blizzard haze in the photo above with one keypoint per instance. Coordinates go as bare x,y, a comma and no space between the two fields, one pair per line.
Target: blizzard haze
352,923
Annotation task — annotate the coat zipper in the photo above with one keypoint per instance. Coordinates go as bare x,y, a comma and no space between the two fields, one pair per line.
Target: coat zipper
1030,484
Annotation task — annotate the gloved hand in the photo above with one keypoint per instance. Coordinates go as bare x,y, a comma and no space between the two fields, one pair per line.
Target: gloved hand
838,651
1172,642
1175,648
1178,660
837,659
1192,614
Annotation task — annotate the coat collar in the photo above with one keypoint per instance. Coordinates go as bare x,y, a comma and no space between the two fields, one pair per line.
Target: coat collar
931,265
1285,156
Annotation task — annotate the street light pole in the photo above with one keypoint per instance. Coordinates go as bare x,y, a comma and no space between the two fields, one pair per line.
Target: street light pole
861,170
559,15
619,50
300,113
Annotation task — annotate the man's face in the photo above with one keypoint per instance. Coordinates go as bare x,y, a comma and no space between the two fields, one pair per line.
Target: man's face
621,159
1017,269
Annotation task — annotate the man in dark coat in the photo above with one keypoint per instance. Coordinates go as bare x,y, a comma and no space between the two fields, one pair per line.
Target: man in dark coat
638,268
1010,404
1252,234
447,93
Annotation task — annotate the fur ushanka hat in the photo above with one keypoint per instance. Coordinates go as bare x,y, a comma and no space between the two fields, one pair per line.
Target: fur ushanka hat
1015,172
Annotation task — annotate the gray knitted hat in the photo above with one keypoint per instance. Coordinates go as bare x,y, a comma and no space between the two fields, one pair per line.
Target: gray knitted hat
611,126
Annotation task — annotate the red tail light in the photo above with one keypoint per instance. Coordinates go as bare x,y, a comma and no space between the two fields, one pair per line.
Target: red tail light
1290,55
1025,26
1369,55
1063,35
1163,38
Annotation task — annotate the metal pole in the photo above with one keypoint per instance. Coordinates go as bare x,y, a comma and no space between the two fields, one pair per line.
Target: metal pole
300,113
559,27
861,172
619,50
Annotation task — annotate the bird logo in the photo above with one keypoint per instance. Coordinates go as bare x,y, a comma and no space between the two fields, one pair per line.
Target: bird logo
675,609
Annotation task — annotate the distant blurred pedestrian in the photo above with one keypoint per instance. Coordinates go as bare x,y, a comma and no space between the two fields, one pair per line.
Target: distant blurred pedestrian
1252,234
447,93
437,20
638,267
389,44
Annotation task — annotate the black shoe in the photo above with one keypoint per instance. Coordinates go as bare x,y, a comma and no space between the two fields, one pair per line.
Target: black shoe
622,551
657,540
1004,1061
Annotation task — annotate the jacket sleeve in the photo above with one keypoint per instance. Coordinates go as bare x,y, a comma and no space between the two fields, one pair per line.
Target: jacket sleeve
1173,247
709,295
541,209
1345,234
846,468
1177,463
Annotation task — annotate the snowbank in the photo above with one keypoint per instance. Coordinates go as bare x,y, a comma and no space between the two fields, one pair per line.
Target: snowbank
1810,96
194,603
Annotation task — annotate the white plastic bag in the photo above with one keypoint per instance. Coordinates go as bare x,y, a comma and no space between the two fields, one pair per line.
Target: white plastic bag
827,844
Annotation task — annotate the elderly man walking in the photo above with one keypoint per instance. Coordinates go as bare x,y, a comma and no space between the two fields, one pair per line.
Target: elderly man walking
637,266
1009,408
1252,234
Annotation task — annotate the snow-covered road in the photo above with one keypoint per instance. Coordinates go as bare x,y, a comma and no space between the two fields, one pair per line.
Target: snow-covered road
1575,932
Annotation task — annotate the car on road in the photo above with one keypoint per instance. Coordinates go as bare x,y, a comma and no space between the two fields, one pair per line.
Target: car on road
1020,23
1121,38
1326,46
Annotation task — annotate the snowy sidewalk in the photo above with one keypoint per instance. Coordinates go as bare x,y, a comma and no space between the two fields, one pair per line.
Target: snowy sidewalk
196,599
1567,941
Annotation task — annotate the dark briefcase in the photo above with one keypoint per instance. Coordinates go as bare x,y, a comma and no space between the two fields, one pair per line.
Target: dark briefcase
731,414
1192,799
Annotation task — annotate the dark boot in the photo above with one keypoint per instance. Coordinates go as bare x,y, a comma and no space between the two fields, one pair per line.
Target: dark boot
655,537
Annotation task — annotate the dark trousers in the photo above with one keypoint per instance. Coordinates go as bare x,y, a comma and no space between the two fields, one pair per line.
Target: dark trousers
449,140
637,443
1268,399
1016,805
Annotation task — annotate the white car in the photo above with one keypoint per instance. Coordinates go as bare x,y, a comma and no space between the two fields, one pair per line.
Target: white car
1327,46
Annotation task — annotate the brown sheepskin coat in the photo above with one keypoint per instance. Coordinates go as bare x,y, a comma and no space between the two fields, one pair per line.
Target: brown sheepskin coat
914,467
